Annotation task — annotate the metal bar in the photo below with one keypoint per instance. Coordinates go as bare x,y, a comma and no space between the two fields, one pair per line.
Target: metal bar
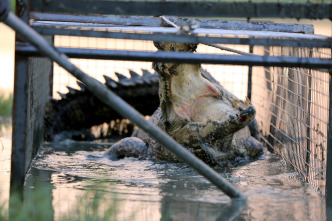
329,155
211,45
51,76
249,84
157,22
185,57
223,48
112,100
308,86
175,30
189,8
20,112
30,97
185,38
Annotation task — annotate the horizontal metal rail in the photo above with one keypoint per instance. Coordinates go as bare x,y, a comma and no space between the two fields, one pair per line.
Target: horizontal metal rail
309,10
175,29
111,99
49,30
185,57
109,20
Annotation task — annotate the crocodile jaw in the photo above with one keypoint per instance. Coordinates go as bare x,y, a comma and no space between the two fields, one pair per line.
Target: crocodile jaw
196,99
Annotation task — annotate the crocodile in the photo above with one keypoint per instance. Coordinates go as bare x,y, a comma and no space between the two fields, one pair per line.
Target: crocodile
198,113
78,110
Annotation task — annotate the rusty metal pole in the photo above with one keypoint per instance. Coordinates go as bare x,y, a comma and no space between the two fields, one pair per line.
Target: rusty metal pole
112,100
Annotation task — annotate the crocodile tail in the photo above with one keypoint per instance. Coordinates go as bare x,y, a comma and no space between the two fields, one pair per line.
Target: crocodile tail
79,109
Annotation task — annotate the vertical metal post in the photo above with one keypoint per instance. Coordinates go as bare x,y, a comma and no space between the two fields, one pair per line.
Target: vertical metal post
31,92
51,77
20,110
249,85
308,121
329,153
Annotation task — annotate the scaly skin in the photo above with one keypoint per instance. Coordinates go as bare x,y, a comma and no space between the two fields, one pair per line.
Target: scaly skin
67,117
199,114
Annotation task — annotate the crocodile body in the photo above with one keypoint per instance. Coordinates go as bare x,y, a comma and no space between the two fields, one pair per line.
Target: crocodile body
198,113
79,110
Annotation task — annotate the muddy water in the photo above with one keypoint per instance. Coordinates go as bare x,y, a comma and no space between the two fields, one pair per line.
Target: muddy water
147,190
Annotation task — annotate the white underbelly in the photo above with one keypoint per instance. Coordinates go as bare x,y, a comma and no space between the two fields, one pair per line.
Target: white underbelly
206,109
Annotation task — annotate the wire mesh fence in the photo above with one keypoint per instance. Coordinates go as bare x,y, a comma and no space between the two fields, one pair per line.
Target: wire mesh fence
234,78
98,68
292,112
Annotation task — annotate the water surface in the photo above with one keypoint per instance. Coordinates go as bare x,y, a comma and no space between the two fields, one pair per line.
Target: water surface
148,190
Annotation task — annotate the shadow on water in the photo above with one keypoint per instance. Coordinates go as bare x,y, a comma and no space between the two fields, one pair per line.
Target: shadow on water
147,190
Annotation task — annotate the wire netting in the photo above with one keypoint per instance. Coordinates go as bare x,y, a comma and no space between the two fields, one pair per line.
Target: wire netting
292,112
234,78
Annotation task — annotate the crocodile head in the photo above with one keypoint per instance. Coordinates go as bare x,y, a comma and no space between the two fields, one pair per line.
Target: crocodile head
200,114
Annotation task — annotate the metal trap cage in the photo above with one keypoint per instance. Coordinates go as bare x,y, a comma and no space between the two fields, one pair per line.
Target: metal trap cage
284,67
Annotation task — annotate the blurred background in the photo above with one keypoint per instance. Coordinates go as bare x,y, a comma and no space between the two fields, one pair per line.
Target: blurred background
7,38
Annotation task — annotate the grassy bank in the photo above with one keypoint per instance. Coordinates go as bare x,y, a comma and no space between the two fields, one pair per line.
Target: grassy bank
6,104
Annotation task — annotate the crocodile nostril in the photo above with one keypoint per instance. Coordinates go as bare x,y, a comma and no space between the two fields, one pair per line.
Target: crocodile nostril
243,117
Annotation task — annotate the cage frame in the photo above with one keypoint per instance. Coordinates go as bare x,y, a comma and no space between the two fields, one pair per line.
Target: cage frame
227,9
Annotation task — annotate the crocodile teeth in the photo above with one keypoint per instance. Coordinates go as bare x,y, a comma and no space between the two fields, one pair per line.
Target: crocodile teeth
110,82
133,74
147,76
120,76
63,96
71,90
146,73
81,85
136,78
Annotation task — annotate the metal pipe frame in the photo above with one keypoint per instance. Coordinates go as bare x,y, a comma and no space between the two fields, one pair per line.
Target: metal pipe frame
309,10
115,20
329,156
112,100
186,38
184,57
20,116
175,29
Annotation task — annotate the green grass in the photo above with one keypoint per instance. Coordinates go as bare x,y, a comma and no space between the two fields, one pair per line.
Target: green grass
6,104
13,5
37,206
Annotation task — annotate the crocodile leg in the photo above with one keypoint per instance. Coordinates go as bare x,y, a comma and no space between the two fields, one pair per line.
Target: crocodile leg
130,147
